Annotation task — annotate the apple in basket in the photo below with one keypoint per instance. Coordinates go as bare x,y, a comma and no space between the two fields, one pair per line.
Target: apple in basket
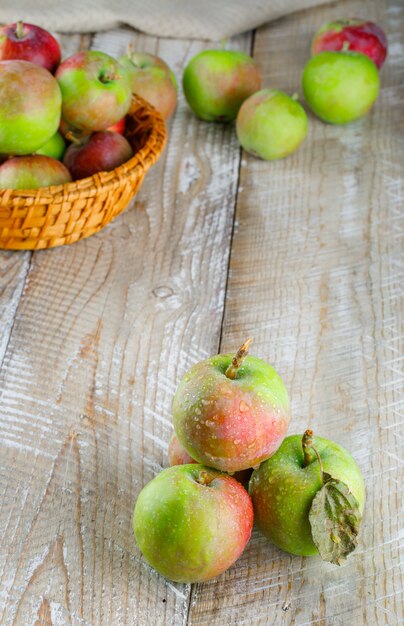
152,79
102,151
28,42
32,172
96,90
30,104
55,147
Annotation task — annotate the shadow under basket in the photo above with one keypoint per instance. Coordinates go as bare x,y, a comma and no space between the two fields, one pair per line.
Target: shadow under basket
43,218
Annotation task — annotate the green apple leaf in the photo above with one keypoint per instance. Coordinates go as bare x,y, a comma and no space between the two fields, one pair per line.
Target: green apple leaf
335,520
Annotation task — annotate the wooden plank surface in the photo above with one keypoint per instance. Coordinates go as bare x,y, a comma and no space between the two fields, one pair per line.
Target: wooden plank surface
316,279
94,338
104,330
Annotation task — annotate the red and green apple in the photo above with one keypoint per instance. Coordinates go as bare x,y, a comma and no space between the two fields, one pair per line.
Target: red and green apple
216,83
30,105
231,412
96,90
28,42
32,172
192,522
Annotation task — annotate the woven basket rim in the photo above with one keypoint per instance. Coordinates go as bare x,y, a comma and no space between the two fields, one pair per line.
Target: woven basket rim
89,186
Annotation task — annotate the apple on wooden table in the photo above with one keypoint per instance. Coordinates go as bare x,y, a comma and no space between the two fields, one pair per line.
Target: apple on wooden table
216,83
231,412
271,125
340,87
355,35
308,498
192,522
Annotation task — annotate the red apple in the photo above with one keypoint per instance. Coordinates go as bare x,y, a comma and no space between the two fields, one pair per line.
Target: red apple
177,455
231,412
192,522
118,127
100,152
32,172
28,42
152,79
354,35
95,89
30,104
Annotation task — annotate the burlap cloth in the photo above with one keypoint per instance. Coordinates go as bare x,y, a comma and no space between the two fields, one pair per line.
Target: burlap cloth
193,19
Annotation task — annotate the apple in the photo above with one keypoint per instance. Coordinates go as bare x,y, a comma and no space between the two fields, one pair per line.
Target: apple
100,152
192,522
355,35
283,489
32,172
152,79
177,455
119,126
55,147
270,124
30,104
216,83
231,412
340,87
95,89
28,42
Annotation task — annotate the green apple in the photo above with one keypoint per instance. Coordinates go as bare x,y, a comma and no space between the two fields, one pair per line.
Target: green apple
30,107
271,124
231,412
340,87
55,147
192,523
284,487
216,82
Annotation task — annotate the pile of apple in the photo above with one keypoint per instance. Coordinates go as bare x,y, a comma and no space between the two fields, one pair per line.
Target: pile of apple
231,464
340,84
63,121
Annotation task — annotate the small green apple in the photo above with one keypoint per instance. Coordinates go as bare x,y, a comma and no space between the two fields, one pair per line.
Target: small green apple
55,147
271,124
216,82
192,522
340,87
287,492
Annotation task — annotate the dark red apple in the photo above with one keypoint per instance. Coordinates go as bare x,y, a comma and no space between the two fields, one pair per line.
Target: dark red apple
32,172
355,35
99,152
28,42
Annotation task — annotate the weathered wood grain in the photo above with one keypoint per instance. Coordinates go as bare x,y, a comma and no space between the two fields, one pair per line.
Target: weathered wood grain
104,330
316,279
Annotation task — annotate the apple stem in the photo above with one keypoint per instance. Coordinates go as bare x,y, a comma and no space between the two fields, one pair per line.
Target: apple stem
223,43
70,136
295,96
237,360
345,46
308,449
19,31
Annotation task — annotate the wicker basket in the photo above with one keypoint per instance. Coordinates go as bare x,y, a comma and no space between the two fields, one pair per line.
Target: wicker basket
53,216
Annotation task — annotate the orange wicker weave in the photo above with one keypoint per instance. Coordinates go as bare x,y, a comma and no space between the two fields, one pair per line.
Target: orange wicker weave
53,216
